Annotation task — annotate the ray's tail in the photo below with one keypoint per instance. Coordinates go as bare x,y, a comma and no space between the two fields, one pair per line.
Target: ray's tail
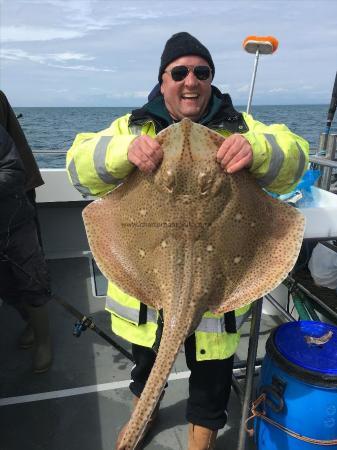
179,317
171,343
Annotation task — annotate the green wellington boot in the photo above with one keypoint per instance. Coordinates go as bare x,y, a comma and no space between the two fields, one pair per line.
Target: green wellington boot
42,351
26,340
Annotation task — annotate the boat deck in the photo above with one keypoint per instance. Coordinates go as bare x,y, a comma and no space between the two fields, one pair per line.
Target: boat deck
83,400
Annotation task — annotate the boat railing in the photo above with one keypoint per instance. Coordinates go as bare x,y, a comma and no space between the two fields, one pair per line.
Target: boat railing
325,157
50,152
50,159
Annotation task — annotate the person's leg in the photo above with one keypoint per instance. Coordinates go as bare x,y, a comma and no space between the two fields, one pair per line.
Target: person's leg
144,359
8,291
209,389
32,280
27,338
31,195
10,294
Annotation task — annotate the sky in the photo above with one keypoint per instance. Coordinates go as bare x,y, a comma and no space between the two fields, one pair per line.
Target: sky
107,52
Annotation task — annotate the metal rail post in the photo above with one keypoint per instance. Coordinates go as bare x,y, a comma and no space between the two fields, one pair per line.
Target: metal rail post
251,358
327,142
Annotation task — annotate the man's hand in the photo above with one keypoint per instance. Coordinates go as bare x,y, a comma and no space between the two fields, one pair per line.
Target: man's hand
235,154
145,153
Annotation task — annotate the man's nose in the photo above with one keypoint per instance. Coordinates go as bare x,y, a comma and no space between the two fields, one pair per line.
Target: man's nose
191,79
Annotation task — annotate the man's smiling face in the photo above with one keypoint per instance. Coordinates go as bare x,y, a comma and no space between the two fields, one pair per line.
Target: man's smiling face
190,96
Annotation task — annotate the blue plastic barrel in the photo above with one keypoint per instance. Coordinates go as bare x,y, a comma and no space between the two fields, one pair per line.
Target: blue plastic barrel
299,380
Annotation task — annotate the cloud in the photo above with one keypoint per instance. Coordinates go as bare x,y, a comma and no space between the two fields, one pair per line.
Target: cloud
82,68
306,87
76,41
26,33
223,87
128,94
78,18
276,90
244,88
50,59
68,56
57,91
17,54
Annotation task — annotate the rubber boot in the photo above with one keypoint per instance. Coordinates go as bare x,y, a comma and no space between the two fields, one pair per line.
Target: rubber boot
148,426
201,438
26,340
42,351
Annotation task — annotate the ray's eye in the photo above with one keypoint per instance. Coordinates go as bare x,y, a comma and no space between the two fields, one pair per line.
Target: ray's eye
205,181
169,180
210,183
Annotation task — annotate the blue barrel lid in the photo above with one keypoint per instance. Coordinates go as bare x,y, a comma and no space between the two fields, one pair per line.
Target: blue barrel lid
303,343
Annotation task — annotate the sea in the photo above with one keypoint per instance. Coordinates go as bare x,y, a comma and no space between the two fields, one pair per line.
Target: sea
51,131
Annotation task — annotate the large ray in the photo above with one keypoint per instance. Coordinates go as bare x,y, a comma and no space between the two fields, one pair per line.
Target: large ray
187,239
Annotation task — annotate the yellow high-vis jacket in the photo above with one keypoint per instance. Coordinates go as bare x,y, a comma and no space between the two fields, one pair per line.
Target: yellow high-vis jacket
98,162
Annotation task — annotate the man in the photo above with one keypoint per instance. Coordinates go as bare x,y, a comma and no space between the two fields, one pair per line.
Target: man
99,162
23,271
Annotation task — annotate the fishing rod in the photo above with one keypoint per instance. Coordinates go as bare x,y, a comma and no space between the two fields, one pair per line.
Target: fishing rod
331,113
83,322
322,150
325,153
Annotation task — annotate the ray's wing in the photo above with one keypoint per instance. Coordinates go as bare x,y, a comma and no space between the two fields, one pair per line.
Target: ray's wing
258,239
128,236
120,239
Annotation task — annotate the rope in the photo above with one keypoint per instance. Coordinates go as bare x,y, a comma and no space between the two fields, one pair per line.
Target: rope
262,415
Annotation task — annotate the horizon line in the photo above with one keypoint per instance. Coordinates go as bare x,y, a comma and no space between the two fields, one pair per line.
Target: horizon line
139,106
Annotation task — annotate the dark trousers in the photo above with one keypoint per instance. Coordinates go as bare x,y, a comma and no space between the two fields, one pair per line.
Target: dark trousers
24,275
209,384
31,194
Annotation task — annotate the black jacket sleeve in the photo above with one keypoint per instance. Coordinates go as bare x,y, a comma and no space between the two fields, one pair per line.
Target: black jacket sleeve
12,173
11,124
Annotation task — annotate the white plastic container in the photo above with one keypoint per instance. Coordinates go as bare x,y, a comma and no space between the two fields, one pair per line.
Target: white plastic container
321,215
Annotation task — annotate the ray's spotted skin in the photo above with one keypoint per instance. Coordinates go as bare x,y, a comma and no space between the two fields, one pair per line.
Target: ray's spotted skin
187,239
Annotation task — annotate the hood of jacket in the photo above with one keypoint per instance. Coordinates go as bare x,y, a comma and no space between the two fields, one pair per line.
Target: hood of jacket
219,115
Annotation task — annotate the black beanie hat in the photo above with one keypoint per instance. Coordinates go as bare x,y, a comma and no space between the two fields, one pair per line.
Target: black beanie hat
182,44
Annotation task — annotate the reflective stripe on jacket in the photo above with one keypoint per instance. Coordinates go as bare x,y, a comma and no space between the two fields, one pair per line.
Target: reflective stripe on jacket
212,340
280,157
97,163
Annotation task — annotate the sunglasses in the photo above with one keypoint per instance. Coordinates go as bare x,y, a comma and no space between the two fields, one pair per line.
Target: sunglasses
179,73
